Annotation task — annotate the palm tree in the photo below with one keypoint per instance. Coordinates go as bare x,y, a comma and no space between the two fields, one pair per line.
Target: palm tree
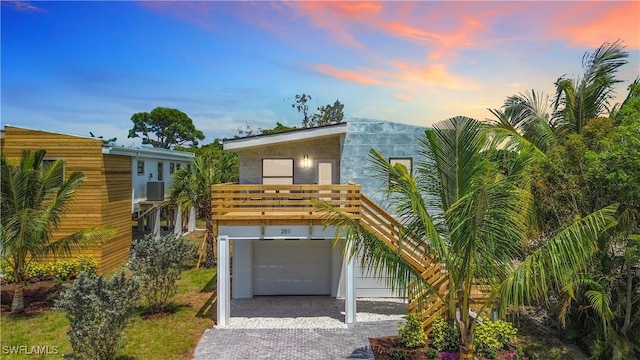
35,197
532,120
580,100
523,125
469,214
192,188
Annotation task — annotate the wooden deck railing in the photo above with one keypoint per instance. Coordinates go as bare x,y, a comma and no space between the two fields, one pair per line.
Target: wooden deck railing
260,202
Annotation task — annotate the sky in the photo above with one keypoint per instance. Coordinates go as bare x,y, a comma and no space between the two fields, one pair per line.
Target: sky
87,66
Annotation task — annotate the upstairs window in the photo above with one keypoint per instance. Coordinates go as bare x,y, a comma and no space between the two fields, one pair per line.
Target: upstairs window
172,167
277,171
140,167
407,162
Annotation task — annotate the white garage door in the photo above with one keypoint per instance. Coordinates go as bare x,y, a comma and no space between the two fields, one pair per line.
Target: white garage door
292,267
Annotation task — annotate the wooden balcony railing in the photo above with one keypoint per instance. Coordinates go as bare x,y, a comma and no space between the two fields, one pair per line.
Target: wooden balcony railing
233,202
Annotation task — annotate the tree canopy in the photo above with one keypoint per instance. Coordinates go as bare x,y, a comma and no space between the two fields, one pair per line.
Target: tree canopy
165,128
323,115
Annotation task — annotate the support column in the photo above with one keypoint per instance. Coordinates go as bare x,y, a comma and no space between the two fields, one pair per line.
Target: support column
224,288
156,222
191,226
350,296
177,228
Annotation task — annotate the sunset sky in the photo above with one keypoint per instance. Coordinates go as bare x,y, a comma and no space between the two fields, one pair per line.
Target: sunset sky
80,67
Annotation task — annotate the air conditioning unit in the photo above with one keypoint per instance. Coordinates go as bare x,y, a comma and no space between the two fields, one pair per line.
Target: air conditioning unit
155,190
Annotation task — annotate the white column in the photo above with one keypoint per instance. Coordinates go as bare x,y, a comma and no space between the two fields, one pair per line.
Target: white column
224,288
177,228
191,226
350,296
156,222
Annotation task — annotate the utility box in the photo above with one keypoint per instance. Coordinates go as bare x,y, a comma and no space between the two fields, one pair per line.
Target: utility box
155,190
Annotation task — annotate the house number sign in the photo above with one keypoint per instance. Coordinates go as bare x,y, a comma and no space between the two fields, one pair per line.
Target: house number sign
285,231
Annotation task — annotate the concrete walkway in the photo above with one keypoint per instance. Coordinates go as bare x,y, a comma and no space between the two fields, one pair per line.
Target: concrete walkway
299,328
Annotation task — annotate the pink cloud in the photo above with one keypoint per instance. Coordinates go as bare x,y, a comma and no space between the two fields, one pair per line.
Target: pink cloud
349,75
338,18
403,97
403,76
23,6
617,21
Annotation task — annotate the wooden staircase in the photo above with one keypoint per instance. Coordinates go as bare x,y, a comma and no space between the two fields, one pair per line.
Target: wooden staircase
386,228
415,252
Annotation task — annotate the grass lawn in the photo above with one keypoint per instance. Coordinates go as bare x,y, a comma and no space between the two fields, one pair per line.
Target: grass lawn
168,337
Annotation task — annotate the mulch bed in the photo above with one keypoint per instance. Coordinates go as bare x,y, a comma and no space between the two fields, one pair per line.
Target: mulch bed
383,347
36,297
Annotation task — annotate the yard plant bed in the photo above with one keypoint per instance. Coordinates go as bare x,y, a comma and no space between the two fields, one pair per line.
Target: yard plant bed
38,297
383,348
391,348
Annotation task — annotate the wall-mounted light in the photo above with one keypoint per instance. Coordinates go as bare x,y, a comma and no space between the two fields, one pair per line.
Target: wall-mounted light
306,163
150,176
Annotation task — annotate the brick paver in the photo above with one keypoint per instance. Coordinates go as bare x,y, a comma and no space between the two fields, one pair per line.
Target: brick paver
290,344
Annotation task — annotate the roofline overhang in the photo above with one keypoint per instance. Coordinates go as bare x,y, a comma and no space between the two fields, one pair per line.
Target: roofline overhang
294,135
163,154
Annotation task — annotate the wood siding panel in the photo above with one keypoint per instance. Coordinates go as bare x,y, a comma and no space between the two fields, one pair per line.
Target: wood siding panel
104,198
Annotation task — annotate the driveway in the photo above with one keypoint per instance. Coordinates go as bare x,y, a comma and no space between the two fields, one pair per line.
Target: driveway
299,327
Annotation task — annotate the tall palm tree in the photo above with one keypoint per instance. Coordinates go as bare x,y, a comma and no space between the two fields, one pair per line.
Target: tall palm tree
35,197
580,100
192,188
532,121
469,214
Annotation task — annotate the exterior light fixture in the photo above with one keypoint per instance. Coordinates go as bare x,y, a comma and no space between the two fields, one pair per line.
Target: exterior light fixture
306,163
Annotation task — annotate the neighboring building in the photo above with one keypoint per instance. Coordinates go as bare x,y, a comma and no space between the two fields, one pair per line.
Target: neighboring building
104,198
151,172
121,182
280,246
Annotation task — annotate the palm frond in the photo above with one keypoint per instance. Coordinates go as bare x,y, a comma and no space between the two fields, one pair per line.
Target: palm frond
376,256
548,267
80,239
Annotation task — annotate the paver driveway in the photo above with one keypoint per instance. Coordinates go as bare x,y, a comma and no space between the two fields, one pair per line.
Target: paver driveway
289,344
299,328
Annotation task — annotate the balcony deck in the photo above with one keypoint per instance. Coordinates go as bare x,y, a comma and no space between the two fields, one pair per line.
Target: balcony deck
234,204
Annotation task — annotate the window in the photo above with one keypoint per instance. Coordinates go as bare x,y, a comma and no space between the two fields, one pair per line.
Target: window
277,171
407,162
177,166
172,167
160,170
140,167
49,162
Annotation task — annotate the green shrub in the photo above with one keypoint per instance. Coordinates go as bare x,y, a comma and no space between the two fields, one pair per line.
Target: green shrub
432,353
443,336
398,354
156,262
98,311
412,332
491,336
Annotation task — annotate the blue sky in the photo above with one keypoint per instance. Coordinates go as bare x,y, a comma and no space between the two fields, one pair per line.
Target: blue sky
79,67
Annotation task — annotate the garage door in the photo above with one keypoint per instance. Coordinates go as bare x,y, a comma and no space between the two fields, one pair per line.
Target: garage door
292,267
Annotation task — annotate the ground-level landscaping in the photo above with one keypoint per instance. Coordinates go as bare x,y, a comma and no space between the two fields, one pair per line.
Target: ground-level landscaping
172,336
41,332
